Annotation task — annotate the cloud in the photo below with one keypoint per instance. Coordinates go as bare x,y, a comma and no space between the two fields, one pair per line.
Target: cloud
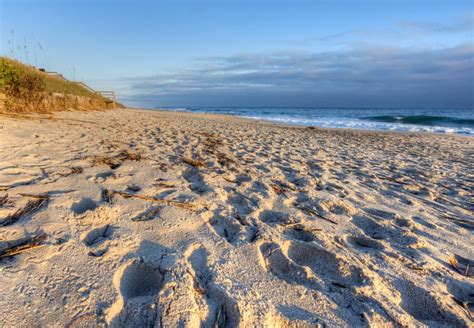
464,23
364,75
401,32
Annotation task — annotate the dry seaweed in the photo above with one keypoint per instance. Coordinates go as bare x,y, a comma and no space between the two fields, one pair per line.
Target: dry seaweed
194,162
5,201
164,184
148,214
462,265
73,170
468,306
102,160
209,135
126,155
211,144
278,189
30,207
223,159
229,180
115,161
106,196
21,246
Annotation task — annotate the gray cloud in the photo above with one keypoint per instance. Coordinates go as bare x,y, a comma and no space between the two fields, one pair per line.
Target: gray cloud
367,75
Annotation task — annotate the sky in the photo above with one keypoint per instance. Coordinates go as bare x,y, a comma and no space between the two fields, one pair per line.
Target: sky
346,53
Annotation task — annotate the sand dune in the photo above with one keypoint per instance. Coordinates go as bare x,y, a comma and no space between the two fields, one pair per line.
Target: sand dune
136,218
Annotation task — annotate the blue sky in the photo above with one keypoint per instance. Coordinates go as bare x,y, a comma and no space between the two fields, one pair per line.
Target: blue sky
254,53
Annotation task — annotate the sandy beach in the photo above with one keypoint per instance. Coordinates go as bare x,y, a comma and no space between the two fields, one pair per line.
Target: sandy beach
136,218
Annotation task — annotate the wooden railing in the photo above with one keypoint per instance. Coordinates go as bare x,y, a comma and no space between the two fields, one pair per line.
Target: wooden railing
110,95
85,86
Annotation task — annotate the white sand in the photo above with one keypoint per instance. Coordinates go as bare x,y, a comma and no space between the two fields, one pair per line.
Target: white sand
289,226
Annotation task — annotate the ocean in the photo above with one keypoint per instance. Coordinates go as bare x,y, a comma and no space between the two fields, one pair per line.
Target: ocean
457,121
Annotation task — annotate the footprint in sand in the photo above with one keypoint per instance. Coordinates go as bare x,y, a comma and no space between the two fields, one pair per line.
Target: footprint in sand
381,214
425,307
242,204
217,308
84,205
227,228
102,176
274,218
362,243
274,261
400,238
138,285
196,181
325,264
94,239
233,228
462,293
97,235
88,320
299,232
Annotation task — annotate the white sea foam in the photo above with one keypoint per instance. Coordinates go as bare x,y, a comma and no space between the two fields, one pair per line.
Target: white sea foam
352,123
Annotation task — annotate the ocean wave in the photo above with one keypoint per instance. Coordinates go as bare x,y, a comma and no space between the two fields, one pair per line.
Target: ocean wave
363,124
453,121
424,120
174,109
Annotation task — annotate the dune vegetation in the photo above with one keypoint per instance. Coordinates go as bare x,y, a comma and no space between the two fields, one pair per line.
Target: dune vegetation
26,88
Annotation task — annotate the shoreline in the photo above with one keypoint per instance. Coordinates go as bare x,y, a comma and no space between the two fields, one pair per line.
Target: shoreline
141,217
386,121
287,125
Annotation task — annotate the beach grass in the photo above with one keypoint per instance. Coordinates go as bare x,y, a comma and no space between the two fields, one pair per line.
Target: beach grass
27,89
14,74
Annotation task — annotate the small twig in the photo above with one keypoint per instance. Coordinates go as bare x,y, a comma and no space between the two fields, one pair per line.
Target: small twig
37,196
188,206
314,213
193,162
278,190
196,285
